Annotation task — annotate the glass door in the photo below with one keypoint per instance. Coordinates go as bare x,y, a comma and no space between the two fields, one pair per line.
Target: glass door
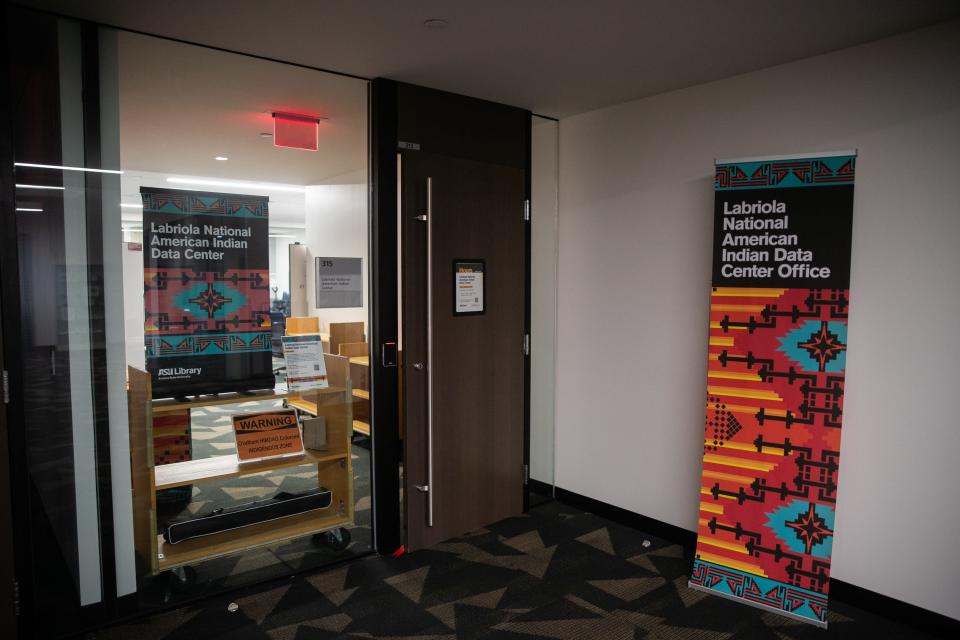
180,430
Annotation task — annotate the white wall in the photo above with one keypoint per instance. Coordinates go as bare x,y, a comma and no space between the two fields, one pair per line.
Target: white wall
635,246
336,226
543,296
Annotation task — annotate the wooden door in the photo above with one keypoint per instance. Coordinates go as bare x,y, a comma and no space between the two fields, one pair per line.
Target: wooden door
463,374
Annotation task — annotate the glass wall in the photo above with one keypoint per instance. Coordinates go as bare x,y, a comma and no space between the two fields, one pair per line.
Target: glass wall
543,298
192,236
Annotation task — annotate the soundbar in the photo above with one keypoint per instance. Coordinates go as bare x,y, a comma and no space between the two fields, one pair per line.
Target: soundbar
282,505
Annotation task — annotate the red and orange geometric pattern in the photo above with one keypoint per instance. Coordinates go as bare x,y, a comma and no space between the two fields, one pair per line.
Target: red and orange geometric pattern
774,408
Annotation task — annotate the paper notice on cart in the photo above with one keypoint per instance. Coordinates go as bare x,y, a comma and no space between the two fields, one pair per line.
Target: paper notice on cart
267,435
306,370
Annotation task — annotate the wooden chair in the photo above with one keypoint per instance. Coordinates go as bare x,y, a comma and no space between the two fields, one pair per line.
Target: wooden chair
308,325
338,369
343,333
354,349
303,325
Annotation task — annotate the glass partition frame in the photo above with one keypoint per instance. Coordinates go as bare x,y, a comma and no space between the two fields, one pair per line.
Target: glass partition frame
64,295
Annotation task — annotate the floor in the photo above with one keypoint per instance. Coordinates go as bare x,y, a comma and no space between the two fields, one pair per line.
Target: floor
555,573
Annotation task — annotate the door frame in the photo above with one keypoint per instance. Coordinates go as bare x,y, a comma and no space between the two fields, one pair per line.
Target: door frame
384,322
9,561
528,311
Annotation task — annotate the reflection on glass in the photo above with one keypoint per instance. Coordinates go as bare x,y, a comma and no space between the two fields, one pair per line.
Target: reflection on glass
191,142
110,464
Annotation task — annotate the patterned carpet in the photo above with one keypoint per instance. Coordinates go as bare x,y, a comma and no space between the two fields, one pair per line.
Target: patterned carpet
555,573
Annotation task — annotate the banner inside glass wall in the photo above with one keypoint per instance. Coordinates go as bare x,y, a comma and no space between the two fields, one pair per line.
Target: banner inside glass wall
206,279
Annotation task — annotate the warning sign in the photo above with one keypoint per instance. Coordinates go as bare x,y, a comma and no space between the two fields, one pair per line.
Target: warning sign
268,434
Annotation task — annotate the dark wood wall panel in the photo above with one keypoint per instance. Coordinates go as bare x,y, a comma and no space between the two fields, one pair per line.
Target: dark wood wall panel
459,126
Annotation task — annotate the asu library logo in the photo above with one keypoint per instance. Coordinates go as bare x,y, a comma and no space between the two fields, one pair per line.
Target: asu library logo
170,372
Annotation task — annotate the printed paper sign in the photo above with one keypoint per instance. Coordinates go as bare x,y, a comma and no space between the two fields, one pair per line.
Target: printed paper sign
468,287
267,435
306,369
339,283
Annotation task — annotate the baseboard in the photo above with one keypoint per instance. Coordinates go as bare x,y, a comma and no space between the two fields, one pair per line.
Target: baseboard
890,608
672,533
893,609
536,486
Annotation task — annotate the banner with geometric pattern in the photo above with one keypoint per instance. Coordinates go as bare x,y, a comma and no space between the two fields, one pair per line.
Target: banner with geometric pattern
206,292
775,381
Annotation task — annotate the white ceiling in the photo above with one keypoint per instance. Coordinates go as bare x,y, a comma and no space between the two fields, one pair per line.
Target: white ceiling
555,57
181,105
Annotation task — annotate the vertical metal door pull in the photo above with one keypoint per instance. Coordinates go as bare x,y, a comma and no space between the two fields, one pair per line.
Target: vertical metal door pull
430,491
428,487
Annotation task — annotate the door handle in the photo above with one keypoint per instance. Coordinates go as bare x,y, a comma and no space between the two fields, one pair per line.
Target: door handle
429,484
428,218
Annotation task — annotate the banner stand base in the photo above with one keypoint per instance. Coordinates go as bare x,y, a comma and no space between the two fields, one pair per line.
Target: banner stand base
757,605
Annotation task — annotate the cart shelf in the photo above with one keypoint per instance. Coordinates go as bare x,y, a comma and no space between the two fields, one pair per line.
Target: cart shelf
334,471
221,467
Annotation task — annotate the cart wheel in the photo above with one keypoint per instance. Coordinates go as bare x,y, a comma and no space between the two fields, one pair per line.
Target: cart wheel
337,539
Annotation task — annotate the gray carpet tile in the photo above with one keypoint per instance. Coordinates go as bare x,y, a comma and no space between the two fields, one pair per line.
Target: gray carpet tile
554,573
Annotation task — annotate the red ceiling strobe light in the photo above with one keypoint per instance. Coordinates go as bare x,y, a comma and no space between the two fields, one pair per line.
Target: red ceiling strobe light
295,131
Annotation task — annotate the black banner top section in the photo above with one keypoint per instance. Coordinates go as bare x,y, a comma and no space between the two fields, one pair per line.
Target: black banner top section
789,237
207,231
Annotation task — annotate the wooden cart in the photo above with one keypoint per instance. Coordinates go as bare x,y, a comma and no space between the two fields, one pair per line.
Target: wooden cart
334,471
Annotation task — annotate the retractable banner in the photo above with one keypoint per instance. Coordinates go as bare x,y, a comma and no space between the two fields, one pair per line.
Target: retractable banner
206,285
775,381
